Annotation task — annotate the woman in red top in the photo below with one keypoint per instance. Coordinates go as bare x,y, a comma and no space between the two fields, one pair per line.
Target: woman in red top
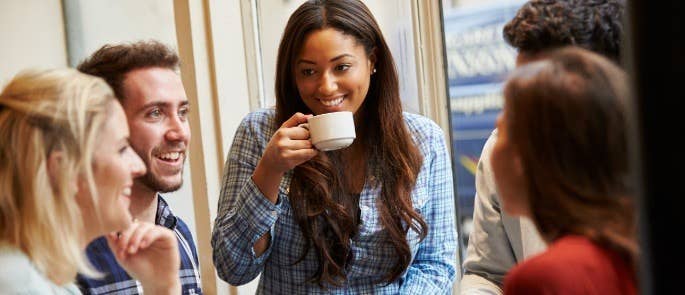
561,160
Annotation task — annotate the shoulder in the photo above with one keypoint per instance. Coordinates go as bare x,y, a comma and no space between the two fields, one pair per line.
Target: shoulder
568,263
488,146
525,278
261,118
15,267
419,125
185,232
257,126
181,225
18,276
423,130
170,220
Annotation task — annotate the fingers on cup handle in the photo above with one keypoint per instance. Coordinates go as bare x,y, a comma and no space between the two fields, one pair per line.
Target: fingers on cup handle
296,119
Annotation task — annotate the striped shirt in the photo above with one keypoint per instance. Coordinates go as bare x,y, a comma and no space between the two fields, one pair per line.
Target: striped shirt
117,281
245,215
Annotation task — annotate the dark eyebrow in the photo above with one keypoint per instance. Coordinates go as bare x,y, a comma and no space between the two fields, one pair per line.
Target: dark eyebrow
154,104
162,104
332,59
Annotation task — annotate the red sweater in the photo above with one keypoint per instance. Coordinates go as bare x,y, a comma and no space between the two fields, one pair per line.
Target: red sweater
572,265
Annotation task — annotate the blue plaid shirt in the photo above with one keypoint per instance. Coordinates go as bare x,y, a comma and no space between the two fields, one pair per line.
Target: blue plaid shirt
117,281
245,215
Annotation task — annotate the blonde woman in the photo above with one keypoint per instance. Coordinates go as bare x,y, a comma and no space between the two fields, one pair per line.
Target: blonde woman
66,171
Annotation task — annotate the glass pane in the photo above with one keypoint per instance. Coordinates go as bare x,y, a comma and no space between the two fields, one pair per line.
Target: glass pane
394,18
478,60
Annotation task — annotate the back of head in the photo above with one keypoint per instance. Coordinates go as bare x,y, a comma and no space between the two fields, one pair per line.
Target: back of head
595,25
113,62
41,113
566,117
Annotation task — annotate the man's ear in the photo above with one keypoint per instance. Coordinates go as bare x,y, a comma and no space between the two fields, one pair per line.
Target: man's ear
55,163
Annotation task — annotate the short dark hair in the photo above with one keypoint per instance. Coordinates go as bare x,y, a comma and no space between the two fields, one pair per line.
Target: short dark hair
596,25
113,62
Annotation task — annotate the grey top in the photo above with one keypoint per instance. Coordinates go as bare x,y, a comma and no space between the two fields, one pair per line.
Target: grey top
498,241
19,276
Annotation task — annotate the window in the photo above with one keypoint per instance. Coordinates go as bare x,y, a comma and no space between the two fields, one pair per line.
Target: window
477,60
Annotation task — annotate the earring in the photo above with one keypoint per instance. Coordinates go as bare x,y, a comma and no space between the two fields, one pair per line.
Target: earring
374,70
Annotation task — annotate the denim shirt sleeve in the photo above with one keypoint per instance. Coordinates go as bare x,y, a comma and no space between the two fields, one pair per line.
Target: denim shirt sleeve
433,269
244,214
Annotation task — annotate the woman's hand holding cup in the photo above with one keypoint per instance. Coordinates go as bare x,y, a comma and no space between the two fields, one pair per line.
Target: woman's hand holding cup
289,146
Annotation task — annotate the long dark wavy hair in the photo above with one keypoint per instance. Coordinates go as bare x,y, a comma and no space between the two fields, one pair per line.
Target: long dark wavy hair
323,202
566,116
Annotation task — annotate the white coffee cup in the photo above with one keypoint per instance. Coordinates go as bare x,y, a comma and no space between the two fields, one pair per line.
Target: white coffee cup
331,131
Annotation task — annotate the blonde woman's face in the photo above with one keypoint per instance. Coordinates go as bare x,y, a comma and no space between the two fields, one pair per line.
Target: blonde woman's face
115,165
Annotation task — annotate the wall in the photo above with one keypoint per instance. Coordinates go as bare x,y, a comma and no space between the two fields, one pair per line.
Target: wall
32,35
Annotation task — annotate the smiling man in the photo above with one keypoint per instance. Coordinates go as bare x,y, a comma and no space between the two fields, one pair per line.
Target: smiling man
144,77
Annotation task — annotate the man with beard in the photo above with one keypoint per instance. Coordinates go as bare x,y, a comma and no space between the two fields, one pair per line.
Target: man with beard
144,78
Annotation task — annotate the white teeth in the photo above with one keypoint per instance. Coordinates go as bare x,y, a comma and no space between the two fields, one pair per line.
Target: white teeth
126,192
170,156
332,102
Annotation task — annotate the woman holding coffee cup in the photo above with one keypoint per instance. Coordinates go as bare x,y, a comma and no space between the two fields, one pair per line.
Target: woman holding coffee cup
374,217
66,171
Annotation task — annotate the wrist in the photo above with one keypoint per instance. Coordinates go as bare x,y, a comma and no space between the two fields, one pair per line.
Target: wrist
267,181
266,168
172,286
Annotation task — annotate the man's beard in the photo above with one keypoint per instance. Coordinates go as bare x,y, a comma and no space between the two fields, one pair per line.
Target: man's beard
153,183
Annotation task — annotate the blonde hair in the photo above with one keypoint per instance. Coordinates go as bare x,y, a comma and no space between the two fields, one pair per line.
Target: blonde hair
43,112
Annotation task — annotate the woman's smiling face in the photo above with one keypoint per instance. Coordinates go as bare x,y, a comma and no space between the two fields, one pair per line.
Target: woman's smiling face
115,165
333,72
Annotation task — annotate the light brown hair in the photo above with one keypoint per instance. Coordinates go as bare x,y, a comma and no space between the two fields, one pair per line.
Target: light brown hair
566,116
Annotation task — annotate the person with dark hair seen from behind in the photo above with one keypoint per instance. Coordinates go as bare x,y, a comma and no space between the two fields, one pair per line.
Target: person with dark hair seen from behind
561,159
375,217
144,77
498,241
